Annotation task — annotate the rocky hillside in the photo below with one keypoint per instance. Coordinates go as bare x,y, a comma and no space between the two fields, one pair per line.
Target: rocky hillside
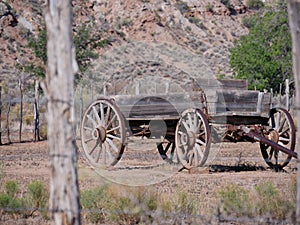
204,30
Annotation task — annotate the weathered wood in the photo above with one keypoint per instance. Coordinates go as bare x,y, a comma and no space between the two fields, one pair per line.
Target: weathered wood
134,106
215,84
0,115
21,110
36,112
294,21
61,67
7,122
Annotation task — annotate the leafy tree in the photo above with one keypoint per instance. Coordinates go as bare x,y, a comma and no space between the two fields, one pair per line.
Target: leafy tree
86,41
264,57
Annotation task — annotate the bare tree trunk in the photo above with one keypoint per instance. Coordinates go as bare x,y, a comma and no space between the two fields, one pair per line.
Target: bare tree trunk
7,122
0,115
21,110
294,20
61,66
36,112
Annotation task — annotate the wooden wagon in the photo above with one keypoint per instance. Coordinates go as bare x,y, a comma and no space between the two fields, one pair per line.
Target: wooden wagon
185,124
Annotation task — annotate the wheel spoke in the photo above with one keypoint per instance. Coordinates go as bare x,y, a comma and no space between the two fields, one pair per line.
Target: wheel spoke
96,115
201,142
278,120
281,125
92,150
113,129
110,142
113,137
88,140
284,139
88,128
105,116
111,121
92,120
109,153
102,114
185,125
108,112
198,147
284,131
271,153
99,153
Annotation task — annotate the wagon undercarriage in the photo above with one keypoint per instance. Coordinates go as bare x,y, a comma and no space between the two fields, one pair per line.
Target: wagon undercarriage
183,130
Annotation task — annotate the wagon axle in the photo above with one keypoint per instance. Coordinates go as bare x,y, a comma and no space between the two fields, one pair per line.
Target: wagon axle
186,129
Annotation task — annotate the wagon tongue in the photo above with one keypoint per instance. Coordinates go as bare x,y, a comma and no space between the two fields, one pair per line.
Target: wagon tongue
273,142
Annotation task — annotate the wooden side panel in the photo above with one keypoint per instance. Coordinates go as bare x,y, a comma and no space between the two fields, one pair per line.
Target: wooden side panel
158,106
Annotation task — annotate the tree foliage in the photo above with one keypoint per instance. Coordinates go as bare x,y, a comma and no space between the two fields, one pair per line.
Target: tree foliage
263,57
86,41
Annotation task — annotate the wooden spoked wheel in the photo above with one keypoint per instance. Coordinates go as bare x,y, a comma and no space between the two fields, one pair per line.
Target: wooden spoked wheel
281,131
103,133
192,138
168,152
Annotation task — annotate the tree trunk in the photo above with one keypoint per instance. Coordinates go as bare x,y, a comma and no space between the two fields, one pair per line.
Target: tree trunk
61,66
7,121
21,110
294,21
36,112
0,116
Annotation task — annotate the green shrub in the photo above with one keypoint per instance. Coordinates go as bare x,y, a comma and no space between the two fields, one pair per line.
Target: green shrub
235,201
37,195
4,200
11,188
182,7
91,201
255,4
8,200
270,202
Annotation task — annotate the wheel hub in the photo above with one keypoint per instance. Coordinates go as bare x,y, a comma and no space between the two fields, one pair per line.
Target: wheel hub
273,136
99,133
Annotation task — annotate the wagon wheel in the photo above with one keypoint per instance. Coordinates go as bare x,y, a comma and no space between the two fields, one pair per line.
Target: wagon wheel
282,131
167,152
103,133
192,138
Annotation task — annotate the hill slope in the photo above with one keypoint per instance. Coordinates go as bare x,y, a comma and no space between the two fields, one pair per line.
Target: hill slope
206,28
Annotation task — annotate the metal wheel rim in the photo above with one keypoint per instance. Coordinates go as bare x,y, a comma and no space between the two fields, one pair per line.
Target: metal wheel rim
192,153
104,119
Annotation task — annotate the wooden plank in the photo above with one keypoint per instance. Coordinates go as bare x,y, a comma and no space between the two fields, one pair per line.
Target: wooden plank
218,84
234,84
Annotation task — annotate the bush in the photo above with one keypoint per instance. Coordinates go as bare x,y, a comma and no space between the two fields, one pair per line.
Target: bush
255,4
270,202
37,195
11,188
8,201
91,201
235,201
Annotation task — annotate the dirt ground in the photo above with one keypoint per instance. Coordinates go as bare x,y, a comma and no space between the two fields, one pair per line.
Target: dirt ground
232,163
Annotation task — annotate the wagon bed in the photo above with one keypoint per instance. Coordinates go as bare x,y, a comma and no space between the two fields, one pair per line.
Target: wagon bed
186,121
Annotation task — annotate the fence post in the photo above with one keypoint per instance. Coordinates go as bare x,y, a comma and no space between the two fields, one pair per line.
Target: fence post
36,112
7,121
137,87
287,94
21,110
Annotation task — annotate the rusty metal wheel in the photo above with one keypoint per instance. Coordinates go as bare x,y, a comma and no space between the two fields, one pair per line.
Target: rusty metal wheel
192,138
167,151
281,130
103,133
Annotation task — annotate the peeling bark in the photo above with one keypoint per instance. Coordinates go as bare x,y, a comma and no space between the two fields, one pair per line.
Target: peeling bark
61,67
